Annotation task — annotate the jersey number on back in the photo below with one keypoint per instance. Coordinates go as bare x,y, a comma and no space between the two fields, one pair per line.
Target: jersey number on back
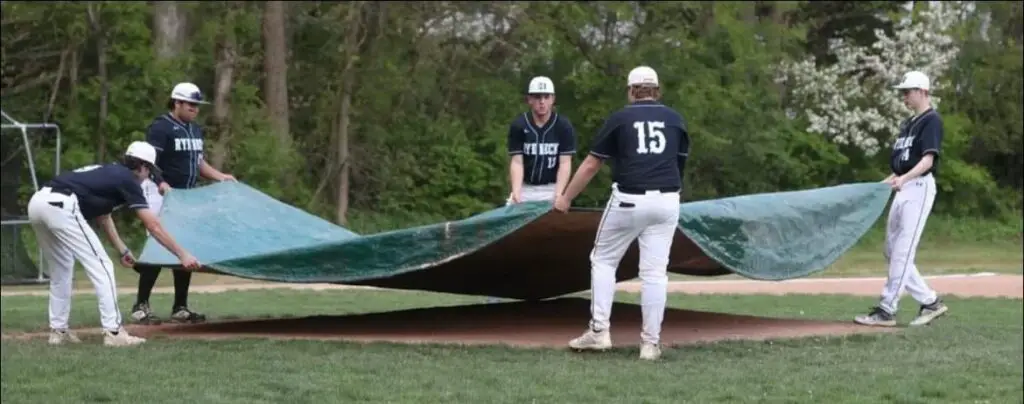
649,137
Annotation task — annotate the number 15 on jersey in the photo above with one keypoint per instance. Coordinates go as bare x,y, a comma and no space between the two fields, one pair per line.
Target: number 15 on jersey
649,137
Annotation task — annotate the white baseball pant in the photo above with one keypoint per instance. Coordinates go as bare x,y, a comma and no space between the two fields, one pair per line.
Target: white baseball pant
908,214
651,219
64,236
530,193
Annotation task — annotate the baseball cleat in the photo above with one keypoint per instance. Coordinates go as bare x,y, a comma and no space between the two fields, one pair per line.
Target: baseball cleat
877,317
185,316
929,312
592,341
120,338
59,337
142,314
650,351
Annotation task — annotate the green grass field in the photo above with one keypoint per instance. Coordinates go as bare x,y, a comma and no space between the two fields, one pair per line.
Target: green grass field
973,355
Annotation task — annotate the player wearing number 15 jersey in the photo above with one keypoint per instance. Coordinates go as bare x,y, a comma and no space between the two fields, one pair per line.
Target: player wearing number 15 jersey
648,144
541,143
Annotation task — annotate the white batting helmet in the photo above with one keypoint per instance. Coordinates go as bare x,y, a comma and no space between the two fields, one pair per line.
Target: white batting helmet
187,92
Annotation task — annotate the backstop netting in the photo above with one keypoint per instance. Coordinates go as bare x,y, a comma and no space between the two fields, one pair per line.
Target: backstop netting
20,145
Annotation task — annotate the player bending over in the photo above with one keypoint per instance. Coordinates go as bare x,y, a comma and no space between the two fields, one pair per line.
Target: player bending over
58,213
914,162
179,144
649,144
541,143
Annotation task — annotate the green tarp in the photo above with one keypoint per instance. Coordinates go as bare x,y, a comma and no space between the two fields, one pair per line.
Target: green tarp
523,251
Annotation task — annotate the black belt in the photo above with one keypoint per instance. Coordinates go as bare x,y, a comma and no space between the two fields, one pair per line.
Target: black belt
62,191
639,191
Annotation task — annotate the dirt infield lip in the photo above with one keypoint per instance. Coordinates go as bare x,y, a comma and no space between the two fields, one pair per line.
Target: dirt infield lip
546,324
965,285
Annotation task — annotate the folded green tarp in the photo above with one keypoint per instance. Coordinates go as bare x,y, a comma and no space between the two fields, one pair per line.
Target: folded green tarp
524,251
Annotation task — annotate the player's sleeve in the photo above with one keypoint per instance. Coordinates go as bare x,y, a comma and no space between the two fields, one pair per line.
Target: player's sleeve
515,139
683,153
567,140
161,137
606,142
132,193
931,136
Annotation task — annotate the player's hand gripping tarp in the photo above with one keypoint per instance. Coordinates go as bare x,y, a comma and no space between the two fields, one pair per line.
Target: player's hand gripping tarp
521,251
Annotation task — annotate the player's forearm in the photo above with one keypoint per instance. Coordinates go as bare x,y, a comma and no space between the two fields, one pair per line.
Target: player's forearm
161,236
515,175
107,223
207,171
583,176
562,179
922,166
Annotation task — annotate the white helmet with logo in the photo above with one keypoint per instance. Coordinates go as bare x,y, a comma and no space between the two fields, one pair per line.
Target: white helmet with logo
187,92
541,85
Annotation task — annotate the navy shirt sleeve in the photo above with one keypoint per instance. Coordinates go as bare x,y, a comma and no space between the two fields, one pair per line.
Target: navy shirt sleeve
132,193
931,136
567,142
515,139
162,138
606,142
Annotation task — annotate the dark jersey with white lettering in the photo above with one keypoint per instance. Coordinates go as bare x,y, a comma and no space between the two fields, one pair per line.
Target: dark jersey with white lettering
647,144
919,136
179,150
101,188
541,146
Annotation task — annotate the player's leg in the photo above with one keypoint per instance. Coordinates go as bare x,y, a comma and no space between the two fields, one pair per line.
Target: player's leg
655,242
142,312
920,208
60,264
86,247
180,312
615,232
878,315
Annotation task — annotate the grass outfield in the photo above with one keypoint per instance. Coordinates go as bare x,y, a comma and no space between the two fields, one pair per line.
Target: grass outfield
973,355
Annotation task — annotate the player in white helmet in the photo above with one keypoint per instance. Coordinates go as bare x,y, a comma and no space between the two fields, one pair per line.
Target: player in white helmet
178,140
541,144
648,144
59,213
914,163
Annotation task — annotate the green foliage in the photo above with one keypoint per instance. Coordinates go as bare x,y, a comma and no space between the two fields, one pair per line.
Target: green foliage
430,105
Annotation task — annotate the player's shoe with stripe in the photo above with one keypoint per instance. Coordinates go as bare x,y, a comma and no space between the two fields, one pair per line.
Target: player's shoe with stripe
592,340
929,312
142,314
184,315
121,338
877,316
58,337
649,351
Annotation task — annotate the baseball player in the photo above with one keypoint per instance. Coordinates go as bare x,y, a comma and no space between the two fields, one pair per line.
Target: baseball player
541,143
58,213
913,163
178,140
649,144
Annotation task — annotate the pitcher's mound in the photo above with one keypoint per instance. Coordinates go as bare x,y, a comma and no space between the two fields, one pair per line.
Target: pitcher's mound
535,324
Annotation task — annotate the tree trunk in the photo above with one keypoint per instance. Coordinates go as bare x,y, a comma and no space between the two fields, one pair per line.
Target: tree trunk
224,78
348,78
169,29
101,71
275,69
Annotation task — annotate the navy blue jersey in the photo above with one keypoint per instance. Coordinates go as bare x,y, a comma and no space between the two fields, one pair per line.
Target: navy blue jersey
101,188
179,150
647,144
541,146
919,136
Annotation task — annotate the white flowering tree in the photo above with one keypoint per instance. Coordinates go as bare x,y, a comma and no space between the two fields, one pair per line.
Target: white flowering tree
852,101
